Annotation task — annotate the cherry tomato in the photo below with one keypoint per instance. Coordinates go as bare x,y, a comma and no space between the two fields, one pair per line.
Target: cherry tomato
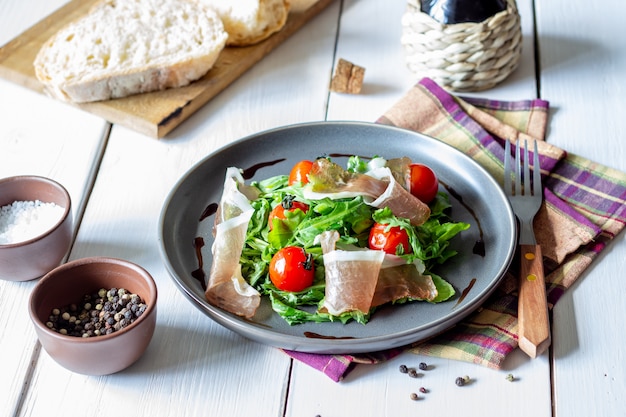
292,269
394,241
299,172
287,204
424,183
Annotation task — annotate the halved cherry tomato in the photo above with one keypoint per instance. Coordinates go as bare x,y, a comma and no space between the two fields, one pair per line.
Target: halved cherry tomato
292,269
287,204
424,182
299,172
394,241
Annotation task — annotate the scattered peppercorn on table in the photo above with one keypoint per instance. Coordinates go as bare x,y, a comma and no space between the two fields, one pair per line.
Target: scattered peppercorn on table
119,180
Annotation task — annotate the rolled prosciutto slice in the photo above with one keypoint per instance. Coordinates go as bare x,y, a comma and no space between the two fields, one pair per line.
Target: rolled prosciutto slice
400,201
227,289
378,187
403,281
351,276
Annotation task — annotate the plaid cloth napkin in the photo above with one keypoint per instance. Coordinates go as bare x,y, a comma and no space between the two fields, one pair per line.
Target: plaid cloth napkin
584,208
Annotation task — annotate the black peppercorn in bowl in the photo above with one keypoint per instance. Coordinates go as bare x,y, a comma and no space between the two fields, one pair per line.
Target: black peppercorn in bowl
96,315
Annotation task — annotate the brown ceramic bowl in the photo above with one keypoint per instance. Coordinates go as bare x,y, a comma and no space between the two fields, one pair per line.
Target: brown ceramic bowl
67,284
34,257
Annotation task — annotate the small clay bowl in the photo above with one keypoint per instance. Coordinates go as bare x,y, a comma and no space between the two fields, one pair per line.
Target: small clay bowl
69,283
32,258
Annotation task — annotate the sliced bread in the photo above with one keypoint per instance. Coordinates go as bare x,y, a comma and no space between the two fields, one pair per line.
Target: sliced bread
125,47
250,21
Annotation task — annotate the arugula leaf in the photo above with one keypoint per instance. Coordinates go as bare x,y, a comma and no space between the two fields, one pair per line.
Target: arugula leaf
293,315
350,218
445,290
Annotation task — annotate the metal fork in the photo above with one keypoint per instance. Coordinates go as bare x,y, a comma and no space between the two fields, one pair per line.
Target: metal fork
533,321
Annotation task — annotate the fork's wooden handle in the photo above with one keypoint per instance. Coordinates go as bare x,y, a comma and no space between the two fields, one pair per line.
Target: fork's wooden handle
533,319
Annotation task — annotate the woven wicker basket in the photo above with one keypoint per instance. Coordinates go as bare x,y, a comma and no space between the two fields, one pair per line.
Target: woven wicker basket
462,56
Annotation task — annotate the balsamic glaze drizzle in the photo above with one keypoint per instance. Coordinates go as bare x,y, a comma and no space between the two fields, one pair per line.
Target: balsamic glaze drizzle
465,292
312,335
209,210
347,155
199,274
249,172
479,245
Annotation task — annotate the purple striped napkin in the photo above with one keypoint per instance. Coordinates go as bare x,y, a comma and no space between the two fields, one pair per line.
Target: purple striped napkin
584,208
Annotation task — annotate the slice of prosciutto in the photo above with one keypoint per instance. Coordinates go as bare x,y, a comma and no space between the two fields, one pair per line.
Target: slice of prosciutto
351,276
378,187
227,289
361,279
403,281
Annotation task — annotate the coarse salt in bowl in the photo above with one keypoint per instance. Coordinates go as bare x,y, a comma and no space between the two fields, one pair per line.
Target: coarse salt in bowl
25,220
35,226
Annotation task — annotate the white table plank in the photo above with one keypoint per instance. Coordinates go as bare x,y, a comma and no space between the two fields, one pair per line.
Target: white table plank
66,152
192,365
17,16
376,47
381,390
583,61
38,137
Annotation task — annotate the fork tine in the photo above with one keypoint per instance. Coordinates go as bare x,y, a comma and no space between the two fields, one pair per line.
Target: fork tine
507,167
518,170
526,177
537,189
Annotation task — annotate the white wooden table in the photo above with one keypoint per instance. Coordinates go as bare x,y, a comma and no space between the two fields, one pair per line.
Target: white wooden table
118,180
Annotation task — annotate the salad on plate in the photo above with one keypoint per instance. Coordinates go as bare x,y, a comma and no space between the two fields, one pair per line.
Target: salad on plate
331,243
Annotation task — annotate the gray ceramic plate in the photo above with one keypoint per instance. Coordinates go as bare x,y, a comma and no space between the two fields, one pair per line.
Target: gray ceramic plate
479,201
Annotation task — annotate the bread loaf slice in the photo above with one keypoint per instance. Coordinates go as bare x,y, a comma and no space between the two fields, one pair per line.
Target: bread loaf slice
125,47
250,21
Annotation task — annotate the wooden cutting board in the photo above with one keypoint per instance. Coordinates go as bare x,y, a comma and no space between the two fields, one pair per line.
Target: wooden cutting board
153,114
